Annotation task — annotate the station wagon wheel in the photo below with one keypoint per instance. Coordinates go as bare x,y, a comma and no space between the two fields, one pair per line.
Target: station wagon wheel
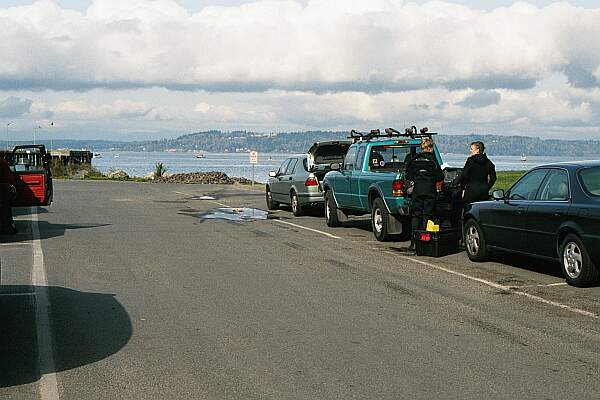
297,209
271,204
576,264
331,216
474,241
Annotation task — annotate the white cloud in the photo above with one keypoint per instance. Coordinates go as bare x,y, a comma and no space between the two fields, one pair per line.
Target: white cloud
369,45
14,107
80,109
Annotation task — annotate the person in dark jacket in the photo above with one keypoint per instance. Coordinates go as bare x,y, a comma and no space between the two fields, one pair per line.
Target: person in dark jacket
478,175
7,184
424,170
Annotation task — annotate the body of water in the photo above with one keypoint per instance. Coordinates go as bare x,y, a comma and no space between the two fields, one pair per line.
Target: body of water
237,164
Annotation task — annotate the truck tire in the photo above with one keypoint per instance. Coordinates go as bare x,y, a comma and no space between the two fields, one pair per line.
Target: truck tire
575,262
331,209
380,221
271,204
297,209
475,241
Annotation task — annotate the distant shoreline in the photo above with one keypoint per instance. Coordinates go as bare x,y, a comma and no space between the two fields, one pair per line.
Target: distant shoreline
299,142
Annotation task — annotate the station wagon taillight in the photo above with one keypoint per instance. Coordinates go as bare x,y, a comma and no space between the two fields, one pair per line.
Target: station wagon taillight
397,188
311,181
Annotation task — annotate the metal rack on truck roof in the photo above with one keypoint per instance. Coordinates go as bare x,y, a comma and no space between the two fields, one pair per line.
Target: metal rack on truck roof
388,133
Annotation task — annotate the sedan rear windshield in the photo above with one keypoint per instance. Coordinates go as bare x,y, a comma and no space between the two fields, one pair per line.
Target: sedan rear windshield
590,179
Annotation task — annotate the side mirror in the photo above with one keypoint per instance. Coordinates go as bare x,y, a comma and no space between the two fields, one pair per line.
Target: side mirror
498,194
335,166
273,174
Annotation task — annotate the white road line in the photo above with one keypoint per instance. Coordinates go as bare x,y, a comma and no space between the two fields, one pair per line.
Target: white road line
48,381
554,284
185,194
308,229
16,244
506,288
547,285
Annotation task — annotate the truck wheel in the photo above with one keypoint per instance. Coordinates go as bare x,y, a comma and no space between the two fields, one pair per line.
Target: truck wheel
297,209
474,241
271,204
331,216
380,221
575,262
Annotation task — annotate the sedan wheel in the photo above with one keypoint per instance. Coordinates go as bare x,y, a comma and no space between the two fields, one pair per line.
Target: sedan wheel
577,266
271,205
474,241
573,260
297,209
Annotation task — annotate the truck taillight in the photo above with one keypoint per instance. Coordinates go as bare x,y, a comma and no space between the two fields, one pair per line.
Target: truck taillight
397,188
311,181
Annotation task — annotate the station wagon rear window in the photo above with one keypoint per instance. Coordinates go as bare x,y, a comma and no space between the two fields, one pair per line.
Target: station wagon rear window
590,179
330,153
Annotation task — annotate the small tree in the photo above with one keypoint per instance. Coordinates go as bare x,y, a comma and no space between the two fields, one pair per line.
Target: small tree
159,170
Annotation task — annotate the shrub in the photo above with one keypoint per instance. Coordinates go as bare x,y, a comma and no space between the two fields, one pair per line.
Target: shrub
159,170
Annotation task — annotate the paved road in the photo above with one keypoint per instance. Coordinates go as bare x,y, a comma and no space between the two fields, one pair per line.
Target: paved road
148,299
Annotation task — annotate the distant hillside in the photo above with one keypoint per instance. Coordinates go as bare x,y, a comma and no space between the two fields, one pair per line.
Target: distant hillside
299,142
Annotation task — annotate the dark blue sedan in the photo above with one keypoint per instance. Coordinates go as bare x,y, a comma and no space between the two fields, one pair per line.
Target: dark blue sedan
552,212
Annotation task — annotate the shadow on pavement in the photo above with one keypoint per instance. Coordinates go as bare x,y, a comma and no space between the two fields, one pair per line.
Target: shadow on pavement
86,328
529,263
47,230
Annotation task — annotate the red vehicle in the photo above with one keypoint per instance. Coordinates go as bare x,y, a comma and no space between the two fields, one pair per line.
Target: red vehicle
31,167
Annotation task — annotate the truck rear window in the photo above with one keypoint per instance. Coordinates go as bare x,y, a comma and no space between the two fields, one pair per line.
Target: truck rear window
590,179
392,157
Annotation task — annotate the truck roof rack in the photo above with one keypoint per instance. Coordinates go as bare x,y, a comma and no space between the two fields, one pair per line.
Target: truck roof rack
411,132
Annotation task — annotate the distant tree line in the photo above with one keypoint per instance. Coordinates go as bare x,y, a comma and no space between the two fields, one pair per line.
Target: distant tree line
299,142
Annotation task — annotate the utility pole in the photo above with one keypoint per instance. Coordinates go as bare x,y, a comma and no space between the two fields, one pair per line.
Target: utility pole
51,126
35,131
7,125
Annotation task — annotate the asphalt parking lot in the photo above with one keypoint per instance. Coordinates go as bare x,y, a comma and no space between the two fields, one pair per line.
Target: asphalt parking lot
127,290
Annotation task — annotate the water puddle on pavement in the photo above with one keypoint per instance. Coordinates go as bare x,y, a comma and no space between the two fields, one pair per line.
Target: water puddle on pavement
238,214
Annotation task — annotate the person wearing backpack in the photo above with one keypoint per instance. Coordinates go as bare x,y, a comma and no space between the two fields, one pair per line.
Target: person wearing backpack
426,173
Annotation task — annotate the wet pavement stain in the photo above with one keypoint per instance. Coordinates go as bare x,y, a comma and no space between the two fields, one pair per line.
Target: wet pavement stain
238,214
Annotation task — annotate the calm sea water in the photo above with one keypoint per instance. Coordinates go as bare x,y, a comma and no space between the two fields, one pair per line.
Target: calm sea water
237,164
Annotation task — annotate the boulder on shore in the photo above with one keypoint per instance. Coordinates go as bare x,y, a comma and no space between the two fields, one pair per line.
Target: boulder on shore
118,174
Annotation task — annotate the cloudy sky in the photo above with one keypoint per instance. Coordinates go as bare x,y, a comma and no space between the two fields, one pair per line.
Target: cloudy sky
137,69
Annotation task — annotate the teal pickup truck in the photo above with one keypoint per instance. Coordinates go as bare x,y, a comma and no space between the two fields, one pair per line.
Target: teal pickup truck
371,180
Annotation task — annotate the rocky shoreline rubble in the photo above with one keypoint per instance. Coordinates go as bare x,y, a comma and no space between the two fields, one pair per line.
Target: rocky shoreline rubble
214,178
